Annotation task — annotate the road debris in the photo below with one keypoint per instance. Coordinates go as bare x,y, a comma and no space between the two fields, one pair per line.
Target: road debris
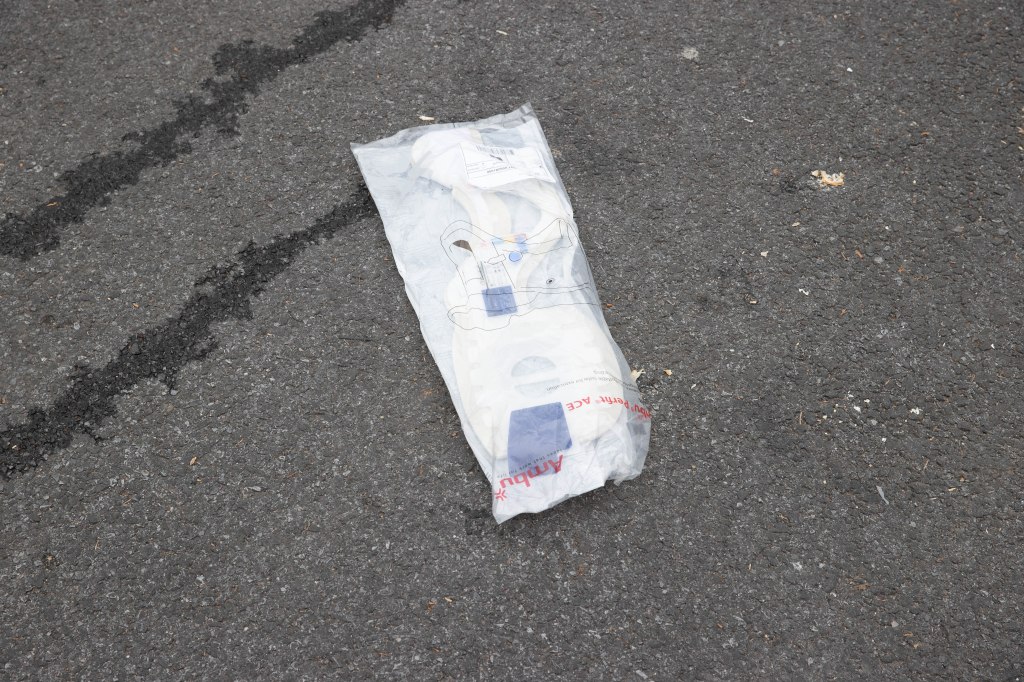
426,118
827,180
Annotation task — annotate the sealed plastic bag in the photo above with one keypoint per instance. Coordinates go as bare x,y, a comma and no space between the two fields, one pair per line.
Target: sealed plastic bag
483,235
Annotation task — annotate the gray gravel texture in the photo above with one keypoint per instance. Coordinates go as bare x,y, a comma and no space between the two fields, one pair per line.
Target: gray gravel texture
226,452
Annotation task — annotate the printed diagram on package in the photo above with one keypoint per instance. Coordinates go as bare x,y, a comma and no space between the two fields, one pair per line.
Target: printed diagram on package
506,276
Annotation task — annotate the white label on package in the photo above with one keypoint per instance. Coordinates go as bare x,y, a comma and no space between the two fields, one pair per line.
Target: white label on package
489,167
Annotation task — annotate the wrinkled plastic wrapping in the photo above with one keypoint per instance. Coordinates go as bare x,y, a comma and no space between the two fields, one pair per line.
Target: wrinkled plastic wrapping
483,235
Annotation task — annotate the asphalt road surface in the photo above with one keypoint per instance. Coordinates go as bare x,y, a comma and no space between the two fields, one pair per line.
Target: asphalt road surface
226,453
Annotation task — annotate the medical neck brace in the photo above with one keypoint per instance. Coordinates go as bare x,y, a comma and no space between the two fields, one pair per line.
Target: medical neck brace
525,316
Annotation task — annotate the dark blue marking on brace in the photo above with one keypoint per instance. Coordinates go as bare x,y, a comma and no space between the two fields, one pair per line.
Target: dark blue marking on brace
534,434
499,301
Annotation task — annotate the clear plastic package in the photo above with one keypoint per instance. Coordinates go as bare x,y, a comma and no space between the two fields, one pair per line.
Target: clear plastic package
483,235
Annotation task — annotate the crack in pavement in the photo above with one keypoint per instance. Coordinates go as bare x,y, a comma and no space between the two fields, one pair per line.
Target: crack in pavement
161,352
92,181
